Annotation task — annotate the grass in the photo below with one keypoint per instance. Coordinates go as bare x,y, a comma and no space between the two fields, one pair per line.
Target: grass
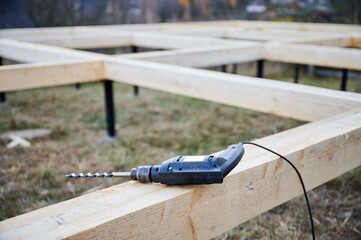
152,128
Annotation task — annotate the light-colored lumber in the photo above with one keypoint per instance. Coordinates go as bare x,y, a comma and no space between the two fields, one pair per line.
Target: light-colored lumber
314,55
26,32
271,34
300,26
277,26
203,56
82,40
321,150
356,41
32,52
335,40
35,75
279,98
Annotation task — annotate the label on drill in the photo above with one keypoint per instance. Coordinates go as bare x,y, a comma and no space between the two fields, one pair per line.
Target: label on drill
194,158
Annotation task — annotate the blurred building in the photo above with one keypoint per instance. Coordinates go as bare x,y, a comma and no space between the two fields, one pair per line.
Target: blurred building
13,15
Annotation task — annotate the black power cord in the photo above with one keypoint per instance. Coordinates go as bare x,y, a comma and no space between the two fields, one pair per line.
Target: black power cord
299,175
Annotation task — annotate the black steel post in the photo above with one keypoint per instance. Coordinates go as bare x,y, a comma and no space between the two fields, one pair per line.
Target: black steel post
77,86
260,68
134,49
224,68
297,69
136,90
109,108
2,98
234,71
2,94
344,79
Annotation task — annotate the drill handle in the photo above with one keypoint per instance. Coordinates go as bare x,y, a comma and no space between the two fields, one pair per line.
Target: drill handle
228,159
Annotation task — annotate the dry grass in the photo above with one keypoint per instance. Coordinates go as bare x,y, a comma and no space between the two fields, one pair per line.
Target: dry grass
151,128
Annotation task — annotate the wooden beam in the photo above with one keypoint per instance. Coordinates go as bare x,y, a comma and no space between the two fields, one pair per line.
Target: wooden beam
314,55
263,34
25,32
70,37
356,41
335,40
203,56
32,52
280,98
82,40
321,151
168,41
320,27
35,75
268,25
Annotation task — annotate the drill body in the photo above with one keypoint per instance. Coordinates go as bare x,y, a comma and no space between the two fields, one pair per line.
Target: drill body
183,170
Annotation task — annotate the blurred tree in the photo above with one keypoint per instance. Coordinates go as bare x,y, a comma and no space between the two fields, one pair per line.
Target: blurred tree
350,7
233,3
46,13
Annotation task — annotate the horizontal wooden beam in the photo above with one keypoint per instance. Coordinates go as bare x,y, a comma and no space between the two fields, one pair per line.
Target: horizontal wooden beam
26,32
321,151
356,41
314,55
335,40
35,75
32,52
168,41
265,25
301,26
203,56
82,40
279,98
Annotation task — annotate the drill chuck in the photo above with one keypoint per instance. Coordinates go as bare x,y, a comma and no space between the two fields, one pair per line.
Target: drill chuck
141,174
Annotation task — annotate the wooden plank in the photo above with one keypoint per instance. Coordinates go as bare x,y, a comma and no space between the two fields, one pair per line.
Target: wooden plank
321,150
320,27
317,27
203,56
167,41
336,40
32,52
35,75
314,55
48,31
356,41
190,25
271,34
82,40
280,98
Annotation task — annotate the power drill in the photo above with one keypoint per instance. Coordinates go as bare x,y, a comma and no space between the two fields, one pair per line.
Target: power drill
182,170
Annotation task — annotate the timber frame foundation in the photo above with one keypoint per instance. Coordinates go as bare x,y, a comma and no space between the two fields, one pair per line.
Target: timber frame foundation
323,149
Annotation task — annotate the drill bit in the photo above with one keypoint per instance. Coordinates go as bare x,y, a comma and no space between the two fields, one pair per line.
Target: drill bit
99,175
